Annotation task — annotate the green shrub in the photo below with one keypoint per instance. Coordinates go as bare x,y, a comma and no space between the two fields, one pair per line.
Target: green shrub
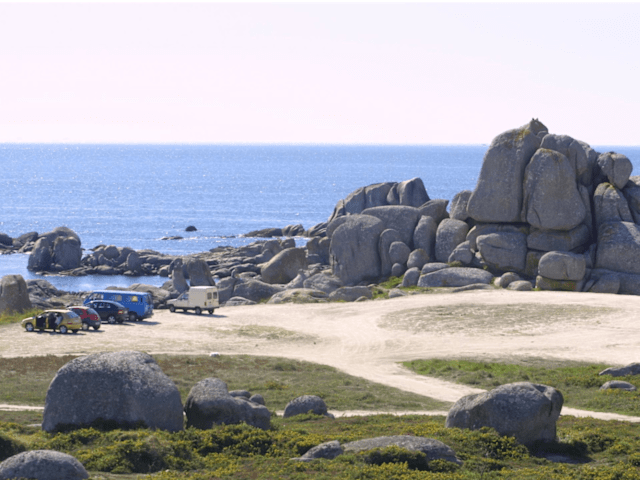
415,460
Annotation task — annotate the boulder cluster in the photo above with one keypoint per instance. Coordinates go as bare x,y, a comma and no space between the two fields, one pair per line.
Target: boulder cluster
548,211
547,208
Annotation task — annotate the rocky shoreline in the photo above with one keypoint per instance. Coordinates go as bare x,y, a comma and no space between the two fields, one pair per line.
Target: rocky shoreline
548,212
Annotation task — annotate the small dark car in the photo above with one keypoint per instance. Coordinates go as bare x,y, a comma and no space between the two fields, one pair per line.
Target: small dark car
90,318
111,312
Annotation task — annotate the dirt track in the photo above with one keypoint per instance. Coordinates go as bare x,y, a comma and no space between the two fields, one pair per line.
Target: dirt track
367,339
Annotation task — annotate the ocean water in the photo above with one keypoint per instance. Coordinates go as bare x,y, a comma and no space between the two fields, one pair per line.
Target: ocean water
134,195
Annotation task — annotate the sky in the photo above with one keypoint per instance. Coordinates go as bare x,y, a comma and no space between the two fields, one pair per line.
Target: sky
341,73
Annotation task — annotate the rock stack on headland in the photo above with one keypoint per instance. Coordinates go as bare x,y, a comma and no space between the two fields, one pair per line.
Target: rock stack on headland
548,211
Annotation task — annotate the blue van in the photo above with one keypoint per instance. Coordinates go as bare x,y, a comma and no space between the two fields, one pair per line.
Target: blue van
140,304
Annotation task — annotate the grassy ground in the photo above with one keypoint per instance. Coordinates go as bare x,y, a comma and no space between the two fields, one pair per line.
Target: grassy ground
24,381
579,382
587,449
9,318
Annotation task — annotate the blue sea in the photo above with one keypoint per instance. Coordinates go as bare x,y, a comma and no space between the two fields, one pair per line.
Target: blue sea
134,195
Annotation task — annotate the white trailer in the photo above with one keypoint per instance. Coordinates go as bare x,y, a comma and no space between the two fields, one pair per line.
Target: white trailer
196,299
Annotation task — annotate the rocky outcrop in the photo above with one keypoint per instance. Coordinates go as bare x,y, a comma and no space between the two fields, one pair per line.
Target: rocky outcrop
524,410
498,196
354,249
124,387
284,266
209,403
57,250
433,449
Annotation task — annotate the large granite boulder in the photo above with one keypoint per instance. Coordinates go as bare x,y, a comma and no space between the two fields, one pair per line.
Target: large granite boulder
318,248
198,272
354,249
433,449
523,410
323,282
177,275
410,193
42,465
399,252
284,266
305,404
551,200
209,403
449,235
458,210
400,218
125,387
40,256
619,247
504,251
436,209
497,197
14,294
424,236
455,277
387,238
487,228
614,168
548,240
255,290
610,205
66,253
582,156
632,193
562,266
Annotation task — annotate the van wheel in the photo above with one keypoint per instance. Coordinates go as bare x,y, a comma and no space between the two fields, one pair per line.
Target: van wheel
211,311
198,310
172,308
132,317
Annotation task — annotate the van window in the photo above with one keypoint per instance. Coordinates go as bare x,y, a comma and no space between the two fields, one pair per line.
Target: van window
97,296
118,298
208,295
134,298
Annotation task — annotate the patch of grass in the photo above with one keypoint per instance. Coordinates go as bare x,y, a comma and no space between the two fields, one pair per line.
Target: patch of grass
16,317
24,381
578,382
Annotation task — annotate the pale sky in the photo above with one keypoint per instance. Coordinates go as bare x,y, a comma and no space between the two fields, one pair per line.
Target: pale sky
414,73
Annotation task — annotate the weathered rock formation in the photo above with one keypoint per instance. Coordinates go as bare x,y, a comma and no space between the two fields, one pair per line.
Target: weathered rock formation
522,410
14,295
210,403
124,387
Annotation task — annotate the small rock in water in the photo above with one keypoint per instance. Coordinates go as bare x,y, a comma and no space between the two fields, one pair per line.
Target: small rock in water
191,228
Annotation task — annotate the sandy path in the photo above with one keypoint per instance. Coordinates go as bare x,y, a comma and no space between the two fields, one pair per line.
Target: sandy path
367,339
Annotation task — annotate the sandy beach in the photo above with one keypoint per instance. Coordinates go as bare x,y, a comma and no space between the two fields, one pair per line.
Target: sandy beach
368,339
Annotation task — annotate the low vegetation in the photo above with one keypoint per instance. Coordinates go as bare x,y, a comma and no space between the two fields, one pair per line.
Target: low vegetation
587,449
579,382
13,317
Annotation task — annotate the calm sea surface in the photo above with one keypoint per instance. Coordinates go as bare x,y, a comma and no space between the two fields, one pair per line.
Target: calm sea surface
133,195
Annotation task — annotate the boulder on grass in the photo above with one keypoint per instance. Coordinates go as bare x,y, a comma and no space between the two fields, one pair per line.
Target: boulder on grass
523,410
43,465
124,387
209,403
631,369
306,404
